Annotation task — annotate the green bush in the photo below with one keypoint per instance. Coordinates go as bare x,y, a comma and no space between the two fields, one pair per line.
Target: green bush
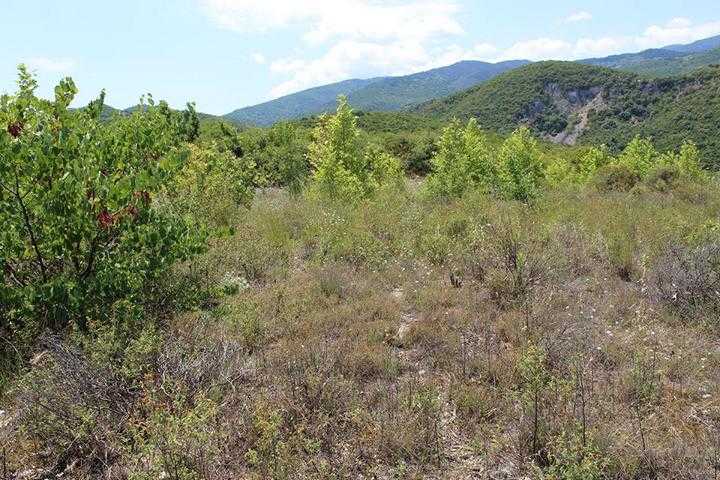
80,230
344,168
464,161
521,167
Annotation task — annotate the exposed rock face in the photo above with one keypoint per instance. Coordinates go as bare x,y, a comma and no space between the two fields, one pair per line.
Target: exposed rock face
573,131
573,105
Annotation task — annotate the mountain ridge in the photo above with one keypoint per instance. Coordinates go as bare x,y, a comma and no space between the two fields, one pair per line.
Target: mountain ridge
408,91
380,93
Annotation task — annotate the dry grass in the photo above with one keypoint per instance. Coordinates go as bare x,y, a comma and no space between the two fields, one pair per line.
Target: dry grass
409,339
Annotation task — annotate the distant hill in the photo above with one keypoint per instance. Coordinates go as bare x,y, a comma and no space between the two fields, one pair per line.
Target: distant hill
671,66
666,61
297,105
571,103
377,94
697,47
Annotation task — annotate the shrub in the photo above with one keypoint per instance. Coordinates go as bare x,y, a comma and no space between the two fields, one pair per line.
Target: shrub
210,187
571,460
615,178
343,169
521,168
414,152
662,177
463,162
639,156
688,280
76,203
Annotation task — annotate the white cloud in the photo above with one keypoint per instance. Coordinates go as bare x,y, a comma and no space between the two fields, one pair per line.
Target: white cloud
348,59
328,19
598,47
537,49
51,65
579,17
677,30
364,38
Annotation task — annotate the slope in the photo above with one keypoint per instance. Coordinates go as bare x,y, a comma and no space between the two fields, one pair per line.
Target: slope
574,103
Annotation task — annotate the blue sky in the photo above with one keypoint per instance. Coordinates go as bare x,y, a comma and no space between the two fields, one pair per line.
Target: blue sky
225,54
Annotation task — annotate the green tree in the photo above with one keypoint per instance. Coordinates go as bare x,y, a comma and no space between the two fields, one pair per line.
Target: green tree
463,162
344,169
521,166
639,156
80,231
688,161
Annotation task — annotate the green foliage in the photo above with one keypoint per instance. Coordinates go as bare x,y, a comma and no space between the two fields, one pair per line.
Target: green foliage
639,156
76,203
668,110
615,178
521,167
277,155
571,460
210,187
464,161
344,169
171,441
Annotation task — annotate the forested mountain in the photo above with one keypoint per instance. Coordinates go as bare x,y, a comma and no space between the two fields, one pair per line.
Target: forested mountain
573,103
697,47
378,94
666,61
297,105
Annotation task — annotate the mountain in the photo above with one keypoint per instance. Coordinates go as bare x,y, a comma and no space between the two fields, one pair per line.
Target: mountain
666,61
376,94
297,105
680,64
697,47
571,103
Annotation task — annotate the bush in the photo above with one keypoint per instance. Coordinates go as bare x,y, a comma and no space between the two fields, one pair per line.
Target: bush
344,169
639,156
463,162
76,203
521,168
615,178
210,188
688,280
662,177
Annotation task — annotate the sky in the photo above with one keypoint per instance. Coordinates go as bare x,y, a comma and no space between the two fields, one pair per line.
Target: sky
226,54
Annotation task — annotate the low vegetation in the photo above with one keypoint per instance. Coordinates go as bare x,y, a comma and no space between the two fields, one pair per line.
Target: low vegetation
189,301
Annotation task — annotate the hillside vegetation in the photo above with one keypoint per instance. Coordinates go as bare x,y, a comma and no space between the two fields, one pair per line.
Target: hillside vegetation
667,61
574,103
660,63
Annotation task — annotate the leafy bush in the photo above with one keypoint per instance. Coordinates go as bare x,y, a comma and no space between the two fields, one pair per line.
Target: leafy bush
464,161
76,203
639,156
415,152
210,187
521,168
344,169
